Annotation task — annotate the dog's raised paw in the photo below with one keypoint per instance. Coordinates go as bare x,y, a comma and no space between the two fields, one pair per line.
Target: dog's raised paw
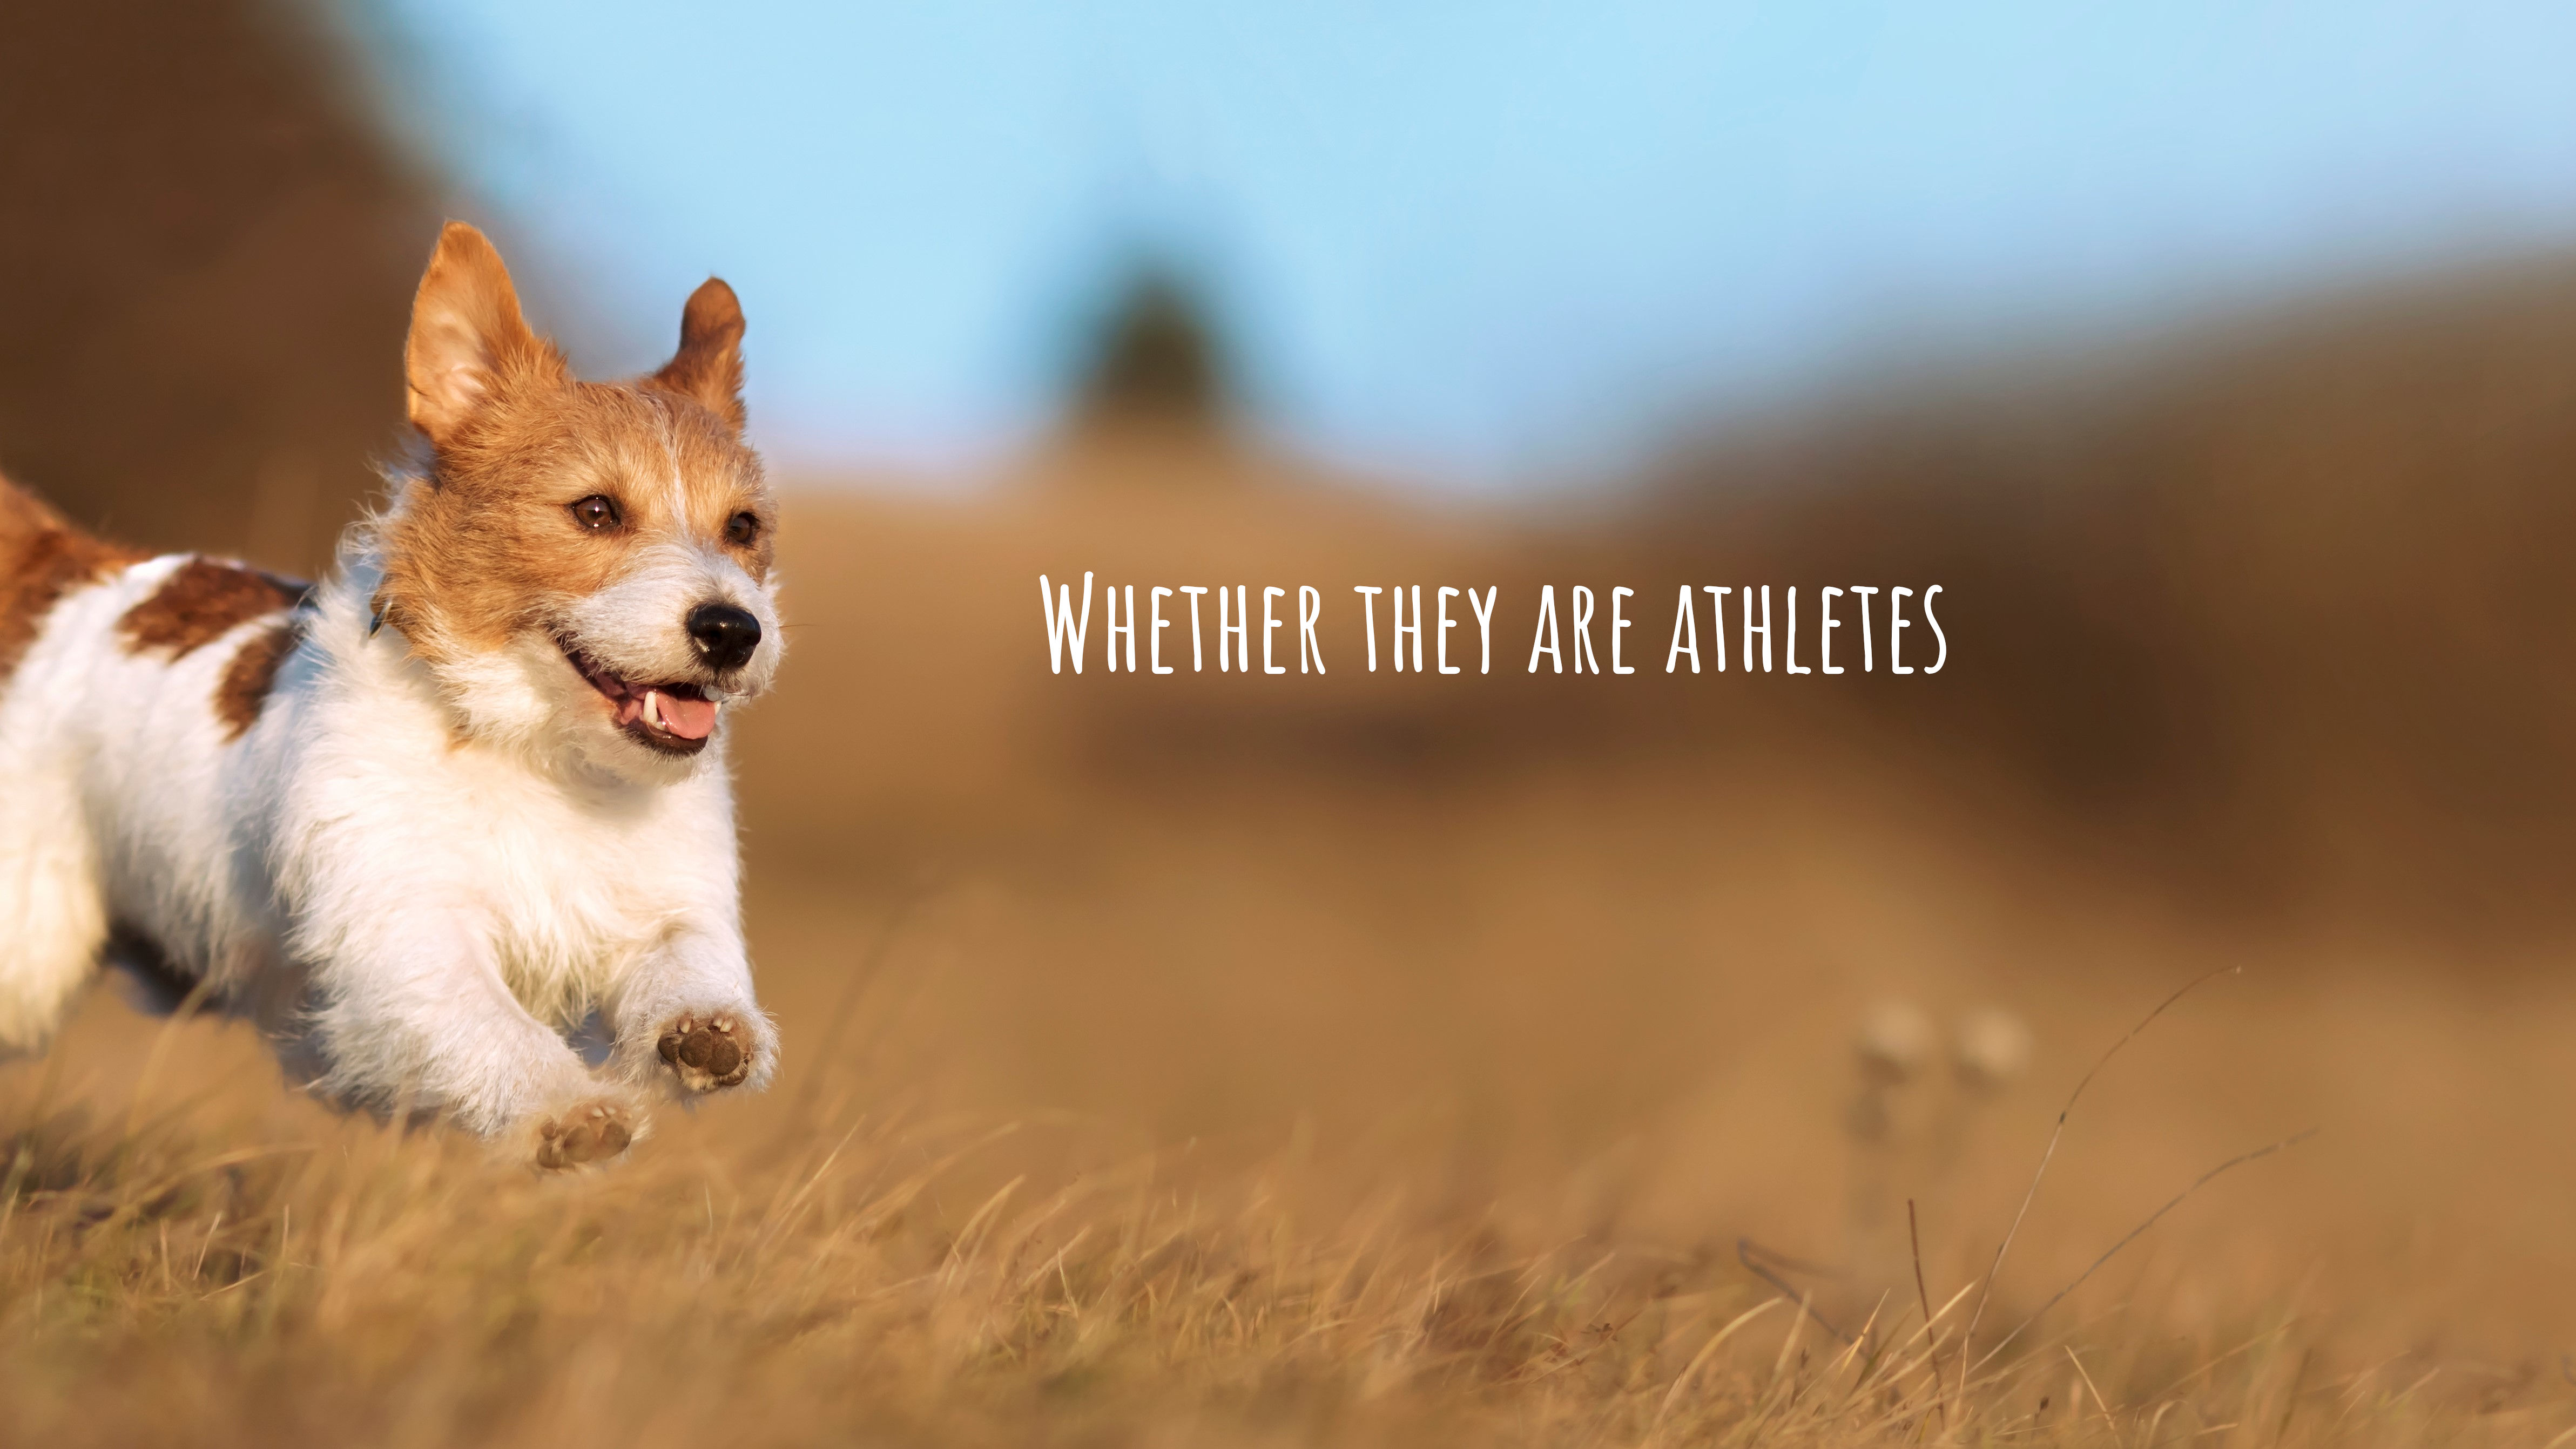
707,1051
588,1132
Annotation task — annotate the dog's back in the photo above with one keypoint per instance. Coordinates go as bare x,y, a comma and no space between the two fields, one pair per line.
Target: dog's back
48,888
41,559
22,519
112,713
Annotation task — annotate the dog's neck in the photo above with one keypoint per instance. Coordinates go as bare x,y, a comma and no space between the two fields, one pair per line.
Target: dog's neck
493,703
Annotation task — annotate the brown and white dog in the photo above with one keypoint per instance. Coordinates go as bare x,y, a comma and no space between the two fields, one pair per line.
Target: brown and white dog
460,799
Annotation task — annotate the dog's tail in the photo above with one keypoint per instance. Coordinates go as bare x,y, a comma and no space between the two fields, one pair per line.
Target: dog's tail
23,516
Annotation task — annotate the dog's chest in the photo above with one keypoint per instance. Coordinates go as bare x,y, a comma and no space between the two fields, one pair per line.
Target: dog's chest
576,889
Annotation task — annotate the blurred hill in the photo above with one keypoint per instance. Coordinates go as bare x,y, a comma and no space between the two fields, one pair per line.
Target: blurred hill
2263,617
2276,610
207,250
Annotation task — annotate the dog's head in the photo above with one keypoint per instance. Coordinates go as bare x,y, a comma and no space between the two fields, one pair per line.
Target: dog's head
583,566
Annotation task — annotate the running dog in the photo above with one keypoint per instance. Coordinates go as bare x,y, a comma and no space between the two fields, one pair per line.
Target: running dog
466,796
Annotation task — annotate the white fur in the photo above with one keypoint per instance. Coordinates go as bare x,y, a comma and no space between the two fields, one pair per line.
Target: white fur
419,880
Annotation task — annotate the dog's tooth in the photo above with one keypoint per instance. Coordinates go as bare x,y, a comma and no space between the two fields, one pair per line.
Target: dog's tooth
653,708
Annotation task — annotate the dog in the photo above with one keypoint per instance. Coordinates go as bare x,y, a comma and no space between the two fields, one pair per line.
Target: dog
466,796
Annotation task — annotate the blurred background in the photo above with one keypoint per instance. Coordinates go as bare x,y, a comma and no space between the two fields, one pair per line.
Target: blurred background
2218,361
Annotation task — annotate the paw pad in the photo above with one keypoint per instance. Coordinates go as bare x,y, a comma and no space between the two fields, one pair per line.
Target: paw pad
707,1053
589,1133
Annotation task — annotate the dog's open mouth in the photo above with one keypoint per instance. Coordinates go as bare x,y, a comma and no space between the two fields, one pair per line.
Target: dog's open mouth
675,718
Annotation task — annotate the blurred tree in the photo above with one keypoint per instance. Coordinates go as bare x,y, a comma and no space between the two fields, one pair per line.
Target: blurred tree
207,250
1157,359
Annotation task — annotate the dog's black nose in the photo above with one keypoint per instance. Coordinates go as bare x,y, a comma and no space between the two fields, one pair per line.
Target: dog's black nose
726,635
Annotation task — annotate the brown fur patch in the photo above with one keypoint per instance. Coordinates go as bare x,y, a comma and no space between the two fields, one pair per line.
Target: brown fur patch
201,603
243,691
42,558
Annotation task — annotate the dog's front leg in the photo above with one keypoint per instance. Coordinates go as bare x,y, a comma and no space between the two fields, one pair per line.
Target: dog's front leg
686,1021
416,1015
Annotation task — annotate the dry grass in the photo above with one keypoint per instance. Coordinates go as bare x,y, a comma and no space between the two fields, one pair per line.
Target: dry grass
186,1275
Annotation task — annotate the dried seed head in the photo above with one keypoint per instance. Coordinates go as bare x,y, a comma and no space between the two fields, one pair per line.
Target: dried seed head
1992,1049
1896,1040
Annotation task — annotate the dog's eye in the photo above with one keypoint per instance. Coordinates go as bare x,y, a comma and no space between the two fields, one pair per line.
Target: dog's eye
596,512
742,528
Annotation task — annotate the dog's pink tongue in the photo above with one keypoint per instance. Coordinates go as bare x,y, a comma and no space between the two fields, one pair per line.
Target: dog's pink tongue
690,719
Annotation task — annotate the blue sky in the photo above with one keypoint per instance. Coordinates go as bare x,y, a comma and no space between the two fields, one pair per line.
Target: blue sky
1477,244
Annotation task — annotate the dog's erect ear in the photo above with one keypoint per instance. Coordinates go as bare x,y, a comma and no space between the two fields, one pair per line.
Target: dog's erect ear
467,338
708,366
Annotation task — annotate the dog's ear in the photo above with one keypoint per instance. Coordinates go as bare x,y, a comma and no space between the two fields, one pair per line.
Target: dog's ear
708,366
467,340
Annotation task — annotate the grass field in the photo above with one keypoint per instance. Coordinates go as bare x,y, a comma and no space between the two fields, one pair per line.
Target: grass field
1159,1073
1391,1061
